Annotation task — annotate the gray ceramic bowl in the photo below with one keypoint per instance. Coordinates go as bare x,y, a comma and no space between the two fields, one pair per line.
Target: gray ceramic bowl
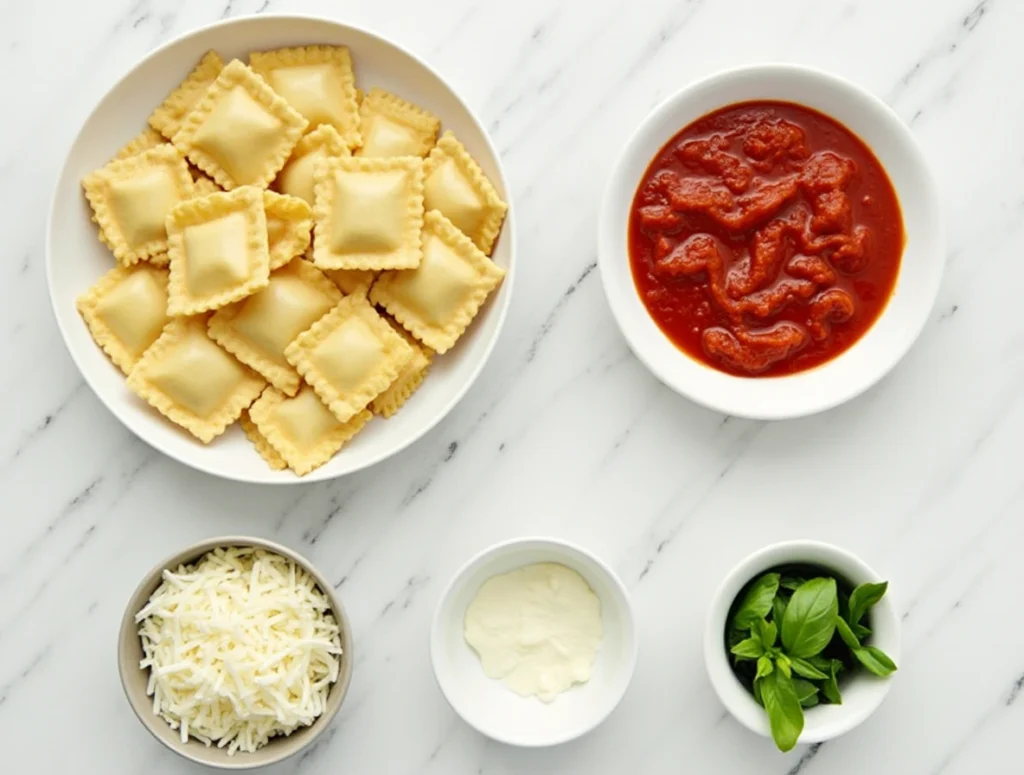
134,679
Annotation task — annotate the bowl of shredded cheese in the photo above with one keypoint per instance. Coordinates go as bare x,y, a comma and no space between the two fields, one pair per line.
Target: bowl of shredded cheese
235,653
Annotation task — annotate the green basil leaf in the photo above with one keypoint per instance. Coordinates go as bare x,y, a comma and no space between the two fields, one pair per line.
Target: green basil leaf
846,634
757,602
810,702
735,636
830,689
778,609
785,665
863,597
757,691
751,648
790,582
785,716
875,660
764,666
810,619
860,631
804,689
819,662
804,668
768,632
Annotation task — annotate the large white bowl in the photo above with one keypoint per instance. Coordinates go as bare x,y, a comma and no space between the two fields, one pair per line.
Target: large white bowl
867,361
862,693
75,259
490,706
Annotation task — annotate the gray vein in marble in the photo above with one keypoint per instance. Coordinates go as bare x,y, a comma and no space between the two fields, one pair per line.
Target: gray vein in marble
336,506
805,759
47,420
413,585
736,452
937,52
552,317
22,675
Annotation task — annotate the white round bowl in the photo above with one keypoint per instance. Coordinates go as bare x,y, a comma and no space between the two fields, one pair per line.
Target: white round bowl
75,259
487,704
867,361
862,692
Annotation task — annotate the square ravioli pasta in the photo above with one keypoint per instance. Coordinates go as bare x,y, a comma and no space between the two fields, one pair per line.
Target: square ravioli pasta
390,126
240,132
318,82
126,311
297,177
131,198
408,380
218,250
267,452
350,356
438,300
455,185
192,381
368,213
259,328
166,119
143,141
352,282
289,224
301,430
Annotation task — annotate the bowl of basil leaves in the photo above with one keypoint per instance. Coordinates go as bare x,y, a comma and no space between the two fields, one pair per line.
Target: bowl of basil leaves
801,641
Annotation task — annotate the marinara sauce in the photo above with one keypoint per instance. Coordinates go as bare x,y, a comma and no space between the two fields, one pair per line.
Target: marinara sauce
765,239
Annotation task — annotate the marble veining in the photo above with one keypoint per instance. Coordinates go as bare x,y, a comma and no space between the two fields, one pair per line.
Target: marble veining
565,433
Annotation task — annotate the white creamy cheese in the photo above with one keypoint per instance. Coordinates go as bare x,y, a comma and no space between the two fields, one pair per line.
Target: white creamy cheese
537,628
240,646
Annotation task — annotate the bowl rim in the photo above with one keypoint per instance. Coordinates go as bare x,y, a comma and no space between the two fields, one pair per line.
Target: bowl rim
610,252
567,549
142,707
735,697
508,233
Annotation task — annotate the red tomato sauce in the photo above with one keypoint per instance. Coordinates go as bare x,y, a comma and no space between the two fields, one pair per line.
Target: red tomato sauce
765,239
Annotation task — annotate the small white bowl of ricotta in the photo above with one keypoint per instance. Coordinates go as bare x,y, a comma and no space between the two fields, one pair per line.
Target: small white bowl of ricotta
533,642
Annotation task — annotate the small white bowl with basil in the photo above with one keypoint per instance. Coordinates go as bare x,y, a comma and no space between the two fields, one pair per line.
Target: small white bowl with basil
801,642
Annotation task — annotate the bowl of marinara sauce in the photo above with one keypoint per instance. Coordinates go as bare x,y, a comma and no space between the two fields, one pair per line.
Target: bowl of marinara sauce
770,242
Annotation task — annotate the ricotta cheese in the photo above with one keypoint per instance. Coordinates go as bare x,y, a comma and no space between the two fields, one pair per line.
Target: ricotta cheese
537,628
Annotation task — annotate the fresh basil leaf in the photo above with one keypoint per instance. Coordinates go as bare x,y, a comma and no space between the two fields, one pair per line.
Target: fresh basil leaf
757,691
764,666
810,702
751,648
863,597
757,602
860,631
804,668
784,664
790,582
778,609
785,716
830,689
804,689
810,619
875,660
735,636
819,662
768,632
846,634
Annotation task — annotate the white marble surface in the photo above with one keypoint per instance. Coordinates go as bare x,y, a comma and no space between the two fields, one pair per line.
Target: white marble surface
565,433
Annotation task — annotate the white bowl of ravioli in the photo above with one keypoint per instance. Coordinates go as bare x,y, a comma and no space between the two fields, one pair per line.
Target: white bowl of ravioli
533,642
315,331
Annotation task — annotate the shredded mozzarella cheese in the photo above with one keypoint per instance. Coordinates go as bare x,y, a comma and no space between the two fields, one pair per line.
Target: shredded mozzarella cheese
241,647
